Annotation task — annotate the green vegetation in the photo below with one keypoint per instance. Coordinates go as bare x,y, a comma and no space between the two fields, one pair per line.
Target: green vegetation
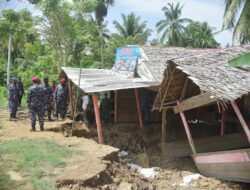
132,28
239,24
172,26
58,36
199,35
33,158
5,182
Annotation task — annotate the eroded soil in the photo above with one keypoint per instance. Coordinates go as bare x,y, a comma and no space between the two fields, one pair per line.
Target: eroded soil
99,166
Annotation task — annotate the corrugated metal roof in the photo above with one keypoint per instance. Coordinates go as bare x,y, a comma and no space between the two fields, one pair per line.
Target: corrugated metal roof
100,80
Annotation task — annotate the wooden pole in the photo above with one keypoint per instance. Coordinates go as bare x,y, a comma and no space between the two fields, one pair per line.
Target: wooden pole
223,121
71,99
137,97
164,128
116,104
185,123
240,117
98,119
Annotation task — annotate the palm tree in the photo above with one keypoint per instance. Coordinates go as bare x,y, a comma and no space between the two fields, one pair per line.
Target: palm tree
102,10
132,27
172,26
241,25
199,35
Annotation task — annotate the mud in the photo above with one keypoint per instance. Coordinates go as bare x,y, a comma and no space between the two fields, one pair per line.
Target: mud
143,147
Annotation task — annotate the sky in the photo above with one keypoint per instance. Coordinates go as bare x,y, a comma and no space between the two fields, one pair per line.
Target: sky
210,11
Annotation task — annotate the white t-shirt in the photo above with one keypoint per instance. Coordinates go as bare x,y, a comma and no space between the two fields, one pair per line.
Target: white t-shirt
85,102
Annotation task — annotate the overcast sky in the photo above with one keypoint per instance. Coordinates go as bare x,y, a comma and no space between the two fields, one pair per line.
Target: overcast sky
210,11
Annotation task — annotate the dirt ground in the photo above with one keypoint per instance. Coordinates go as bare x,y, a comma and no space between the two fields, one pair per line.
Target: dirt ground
101,168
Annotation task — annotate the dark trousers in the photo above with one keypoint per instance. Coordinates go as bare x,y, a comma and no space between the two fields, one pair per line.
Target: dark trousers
20,100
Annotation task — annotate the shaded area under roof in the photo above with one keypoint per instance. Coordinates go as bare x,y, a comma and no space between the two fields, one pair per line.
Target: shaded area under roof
100,80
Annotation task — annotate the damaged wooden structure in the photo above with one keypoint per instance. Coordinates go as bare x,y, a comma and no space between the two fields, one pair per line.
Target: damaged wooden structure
128,87
204,81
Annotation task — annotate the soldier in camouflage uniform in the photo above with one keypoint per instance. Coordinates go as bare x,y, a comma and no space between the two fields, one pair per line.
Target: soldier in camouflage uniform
35,101
13,96
61,97
48,97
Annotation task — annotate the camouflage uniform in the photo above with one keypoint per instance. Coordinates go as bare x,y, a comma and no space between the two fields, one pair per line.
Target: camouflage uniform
61,96
35,101
13,96
48,99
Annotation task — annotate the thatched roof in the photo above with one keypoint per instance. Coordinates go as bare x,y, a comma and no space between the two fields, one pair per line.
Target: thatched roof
210,72
158,57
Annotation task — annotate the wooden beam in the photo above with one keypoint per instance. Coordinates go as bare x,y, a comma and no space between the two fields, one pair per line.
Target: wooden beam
164,127
189,136
71,104
240,117
194,102
137,97
184,90
98,119
116,108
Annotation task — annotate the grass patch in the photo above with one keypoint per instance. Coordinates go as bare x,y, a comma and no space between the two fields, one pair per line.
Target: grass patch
35,158
5,182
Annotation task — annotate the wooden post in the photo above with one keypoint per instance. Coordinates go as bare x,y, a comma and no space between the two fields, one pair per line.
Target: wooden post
223,121
137,97
185,123
98,119
240,117
116,104
164,128
71,104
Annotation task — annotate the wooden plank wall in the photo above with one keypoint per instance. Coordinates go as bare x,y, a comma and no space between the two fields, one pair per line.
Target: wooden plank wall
126,108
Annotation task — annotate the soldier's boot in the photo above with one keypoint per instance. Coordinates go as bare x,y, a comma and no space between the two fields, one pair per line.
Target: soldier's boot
42,128
49,116
11,117
14,115
33,128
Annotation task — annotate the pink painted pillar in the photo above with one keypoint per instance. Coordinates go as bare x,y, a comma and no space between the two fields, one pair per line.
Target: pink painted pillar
98,119
185,123
138,107
116,108
240,117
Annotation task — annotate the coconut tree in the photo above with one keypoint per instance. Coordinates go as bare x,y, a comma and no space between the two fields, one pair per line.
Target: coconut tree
102,10
132,27
236,16
199,35
172,26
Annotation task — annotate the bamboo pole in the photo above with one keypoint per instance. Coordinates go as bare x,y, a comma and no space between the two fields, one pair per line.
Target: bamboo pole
98,119
138,107
240,117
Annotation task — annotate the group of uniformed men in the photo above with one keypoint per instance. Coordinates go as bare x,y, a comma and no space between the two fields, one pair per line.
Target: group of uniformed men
39,100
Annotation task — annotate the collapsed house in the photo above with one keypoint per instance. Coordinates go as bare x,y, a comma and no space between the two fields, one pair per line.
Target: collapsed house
205,89
134,81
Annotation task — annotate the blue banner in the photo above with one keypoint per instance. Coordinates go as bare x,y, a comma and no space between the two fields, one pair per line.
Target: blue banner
126,58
